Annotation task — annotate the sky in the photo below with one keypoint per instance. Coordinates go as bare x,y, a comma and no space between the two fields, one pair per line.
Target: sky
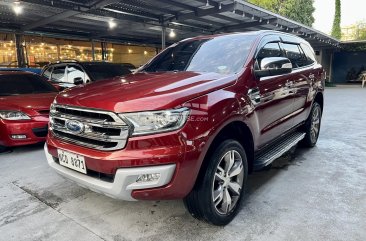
352,11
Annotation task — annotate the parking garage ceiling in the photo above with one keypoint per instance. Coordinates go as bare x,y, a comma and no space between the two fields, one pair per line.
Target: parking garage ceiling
142,21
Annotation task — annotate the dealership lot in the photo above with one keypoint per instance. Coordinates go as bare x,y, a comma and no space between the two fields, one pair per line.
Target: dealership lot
316,194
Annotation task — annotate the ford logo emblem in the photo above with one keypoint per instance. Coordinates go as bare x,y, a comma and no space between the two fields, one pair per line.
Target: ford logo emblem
74,126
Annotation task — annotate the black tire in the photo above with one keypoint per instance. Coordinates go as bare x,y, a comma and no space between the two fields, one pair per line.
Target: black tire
3,148
311,138
199,201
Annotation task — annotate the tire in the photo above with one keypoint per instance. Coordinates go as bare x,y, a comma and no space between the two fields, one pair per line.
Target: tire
312,126
3,148
229,157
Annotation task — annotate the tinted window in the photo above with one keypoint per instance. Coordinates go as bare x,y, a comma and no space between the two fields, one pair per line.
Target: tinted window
105,71
309,52
295,55
24,84
269,50
225,55
58,74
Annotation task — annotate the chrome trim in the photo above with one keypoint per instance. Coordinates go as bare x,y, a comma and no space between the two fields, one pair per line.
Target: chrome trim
119,126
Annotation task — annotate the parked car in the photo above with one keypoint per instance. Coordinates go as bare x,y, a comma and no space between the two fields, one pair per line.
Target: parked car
68,74
129,66
25,100
191,123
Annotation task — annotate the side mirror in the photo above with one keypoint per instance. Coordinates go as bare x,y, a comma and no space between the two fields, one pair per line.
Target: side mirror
78,81
274,66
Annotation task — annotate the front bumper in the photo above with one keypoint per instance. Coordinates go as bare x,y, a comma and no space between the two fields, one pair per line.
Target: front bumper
124,180
35,131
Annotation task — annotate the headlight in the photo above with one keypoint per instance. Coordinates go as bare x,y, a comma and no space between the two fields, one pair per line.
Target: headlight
151,122
13,115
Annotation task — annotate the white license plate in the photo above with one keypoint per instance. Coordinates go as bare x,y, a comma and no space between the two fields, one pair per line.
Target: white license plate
72,160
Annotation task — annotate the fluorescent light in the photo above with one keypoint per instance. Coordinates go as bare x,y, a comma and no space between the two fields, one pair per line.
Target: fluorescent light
17,8
112,24
172,33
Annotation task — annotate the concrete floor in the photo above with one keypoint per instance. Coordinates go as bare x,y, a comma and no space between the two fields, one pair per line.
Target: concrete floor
314,194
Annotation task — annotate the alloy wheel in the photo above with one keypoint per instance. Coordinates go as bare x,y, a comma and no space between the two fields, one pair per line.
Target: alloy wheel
228,182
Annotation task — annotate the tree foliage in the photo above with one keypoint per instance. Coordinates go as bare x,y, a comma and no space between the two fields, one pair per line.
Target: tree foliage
297,10
336,29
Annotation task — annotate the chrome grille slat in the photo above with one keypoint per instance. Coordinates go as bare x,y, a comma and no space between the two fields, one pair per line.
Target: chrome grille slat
95,123
97,133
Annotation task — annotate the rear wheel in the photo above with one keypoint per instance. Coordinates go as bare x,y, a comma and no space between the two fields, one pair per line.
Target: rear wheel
312,126
217,194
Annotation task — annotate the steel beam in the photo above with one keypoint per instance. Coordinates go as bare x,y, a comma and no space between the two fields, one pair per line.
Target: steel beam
65,14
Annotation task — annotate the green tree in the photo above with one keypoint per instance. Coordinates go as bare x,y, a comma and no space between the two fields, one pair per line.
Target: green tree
336,29
297,10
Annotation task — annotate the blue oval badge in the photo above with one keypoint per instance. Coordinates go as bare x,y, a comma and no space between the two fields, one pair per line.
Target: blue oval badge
74,126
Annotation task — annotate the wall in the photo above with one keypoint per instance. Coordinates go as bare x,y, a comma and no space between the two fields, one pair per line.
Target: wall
347,65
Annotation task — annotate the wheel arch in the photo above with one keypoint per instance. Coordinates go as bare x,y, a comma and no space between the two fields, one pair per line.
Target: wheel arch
238,131
319,98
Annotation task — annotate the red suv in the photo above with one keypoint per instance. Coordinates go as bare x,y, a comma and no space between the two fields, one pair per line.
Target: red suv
191,123
25,100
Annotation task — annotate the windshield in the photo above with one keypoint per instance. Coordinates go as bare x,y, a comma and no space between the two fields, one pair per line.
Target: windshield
105,71
17,84
224,55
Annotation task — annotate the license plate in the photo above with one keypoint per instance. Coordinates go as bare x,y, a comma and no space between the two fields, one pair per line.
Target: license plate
72,160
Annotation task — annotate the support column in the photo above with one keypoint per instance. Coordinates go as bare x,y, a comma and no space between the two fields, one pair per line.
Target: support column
93,50
163,36
58,52
20,51
104,50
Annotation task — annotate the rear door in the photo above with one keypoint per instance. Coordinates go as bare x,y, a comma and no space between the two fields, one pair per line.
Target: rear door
275,103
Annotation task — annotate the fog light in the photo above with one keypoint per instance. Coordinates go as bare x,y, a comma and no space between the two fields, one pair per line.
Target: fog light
148,177
18,136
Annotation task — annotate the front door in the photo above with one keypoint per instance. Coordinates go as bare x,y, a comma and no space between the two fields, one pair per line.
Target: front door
276,99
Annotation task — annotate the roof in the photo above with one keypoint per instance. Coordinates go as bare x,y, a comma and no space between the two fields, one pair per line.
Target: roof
142,21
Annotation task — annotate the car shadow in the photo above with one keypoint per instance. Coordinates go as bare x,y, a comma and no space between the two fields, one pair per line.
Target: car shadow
23,149
259,178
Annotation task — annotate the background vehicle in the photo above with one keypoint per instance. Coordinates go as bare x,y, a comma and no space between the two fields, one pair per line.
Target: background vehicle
192,123
25,100
67,74
129,66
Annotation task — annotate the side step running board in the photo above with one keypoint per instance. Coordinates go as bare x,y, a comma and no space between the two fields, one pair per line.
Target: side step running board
275,151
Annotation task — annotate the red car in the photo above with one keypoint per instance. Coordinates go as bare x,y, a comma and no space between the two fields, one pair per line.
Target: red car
25,100
191,123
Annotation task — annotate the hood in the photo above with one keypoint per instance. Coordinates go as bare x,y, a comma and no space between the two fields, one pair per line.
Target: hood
145,91
31,104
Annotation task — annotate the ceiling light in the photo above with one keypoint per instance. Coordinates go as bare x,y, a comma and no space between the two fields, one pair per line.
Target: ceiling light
220,6
207,4
172,33
17,8
112,24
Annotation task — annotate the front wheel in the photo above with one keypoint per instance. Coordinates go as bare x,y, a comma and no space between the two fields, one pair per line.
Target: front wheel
219,189
312,126
3,148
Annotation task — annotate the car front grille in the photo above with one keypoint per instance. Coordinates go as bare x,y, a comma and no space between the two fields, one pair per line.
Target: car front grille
101,130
